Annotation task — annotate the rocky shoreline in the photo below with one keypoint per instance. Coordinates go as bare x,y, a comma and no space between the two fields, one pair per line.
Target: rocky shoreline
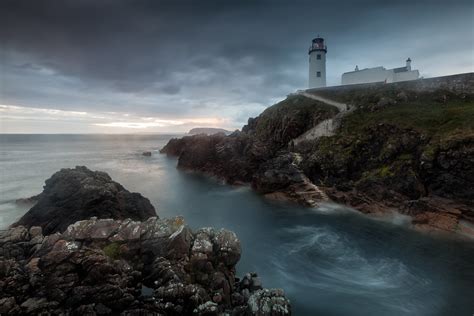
109,266
401,148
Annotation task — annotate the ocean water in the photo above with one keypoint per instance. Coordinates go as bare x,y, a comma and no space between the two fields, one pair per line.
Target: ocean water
330,260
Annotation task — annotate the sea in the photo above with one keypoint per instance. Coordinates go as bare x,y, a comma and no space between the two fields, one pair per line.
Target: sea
329,260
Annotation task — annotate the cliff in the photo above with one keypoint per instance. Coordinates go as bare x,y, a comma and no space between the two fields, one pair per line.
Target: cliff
406,146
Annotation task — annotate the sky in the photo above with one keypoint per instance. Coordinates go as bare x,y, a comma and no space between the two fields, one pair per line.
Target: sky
165,66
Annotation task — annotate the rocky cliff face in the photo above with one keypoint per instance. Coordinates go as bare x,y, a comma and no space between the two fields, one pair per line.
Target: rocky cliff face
401,147
237,158
126,267
74,194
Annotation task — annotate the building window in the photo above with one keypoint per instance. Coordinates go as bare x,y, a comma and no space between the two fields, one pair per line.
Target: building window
318,56
318,74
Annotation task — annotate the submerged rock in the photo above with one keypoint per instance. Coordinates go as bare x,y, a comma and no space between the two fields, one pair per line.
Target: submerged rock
101,266
75,194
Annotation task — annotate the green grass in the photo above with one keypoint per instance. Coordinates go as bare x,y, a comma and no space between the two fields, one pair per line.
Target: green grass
112,250
295,107
289,118
418,125
385,172
431,119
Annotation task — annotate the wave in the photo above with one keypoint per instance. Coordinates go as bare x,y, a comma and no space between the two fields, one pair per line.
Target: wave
323,259
129,166
229,191
333,208
341,260
393,217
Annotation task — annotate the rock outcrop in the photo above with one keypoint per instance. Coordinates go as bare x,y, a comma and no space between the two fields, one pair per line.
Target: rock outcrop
75,194
281,178
126,267
407,147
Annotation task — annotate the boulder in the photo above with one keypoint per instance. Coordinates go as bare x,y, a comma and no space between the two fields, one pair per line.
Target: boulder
268,303
75,194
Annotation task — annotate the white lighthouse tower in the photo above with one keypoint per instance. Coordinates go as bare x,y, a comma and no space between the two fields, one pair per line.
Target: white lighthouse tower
317,63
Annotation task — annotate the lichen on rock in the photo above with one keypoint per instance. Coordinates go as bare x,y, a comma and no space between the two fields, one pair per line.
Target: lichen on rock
87,268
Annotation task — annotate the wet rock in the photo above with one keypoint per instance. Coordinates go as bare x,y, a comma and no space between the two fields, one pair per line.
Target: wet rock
77,194
35,305
268,303
282,179
36,231
8,305
146,153
227,246
100,266
101,309
256,283
208,308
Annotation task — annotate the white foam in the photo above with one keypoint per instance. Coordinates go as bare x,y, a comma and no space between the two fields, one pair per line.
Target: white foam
332,208
392,217
331,260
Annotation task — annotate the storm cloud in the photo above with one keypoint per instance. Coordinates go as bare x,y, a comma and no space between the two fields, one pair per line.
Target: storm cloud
211,59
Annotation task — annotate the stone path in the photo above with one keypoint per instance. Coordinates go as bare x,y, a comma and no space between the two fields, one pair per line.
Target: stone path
326,127
339,105
308,192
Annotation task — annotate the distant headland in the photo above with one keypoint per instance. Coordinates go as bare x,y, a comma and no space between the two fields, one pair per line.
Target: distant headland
208,131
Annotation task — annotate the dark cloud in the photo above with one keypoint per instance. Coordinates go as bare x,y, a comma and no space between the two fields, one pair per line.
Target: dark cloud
161,55
29,66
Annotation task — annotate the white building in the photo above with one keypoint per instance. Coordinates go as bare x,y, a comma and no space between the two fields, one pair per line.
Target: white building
317,63
380,74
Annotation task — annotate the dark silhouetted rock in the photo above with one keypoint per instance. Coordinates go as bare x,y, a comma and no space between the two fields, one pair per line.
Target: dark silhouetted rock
75,194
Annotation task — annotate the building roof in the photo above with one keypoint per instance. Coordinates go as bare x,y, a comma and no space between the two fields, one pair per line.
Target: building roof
378,67
400,69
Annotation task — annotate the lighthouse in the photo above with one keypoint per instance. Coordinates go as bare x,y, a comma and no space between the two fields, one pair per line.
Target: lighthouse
317,63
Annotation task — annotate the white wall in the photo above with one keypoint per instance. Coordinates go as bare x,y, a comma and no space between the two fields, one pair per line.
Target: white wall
376,74
316,65
405,76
